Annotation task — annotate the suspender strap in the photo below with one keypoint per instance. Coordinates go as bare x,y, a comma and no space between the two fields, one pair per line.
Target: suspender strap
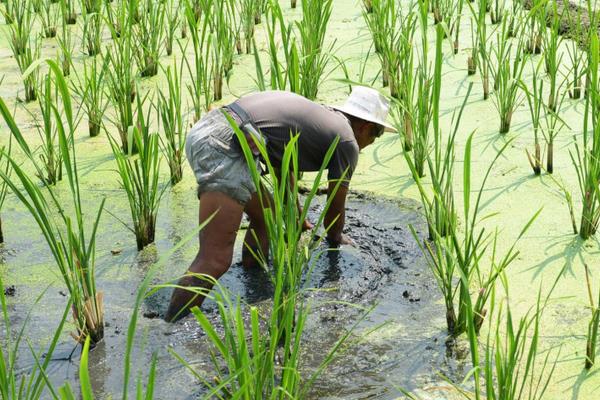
240,112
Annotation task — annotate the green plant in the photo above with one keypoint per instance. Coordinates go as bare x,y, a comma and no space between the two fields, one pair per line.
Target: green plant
49,19
586,157
3,186
553,124
247,13
479,39
140,176
253,362
121,77
170,112
67,8
92,32
507,76
497,11
537,111
592,335
72,247
313,57
14,384
552,42
148,37
65,43
50,154
90,88
576,58
171,23
198,66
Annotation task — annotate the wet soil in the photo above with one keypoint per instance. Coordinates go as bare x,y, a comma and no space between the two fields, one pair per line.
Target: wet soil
385,269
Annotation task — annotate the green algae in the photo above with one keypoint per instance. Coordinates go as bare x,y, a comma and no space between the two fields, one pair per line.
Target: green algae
514,193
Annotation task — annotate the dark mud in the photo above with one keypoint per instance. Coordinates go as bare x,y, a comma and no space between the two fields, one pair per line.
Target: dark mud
384,269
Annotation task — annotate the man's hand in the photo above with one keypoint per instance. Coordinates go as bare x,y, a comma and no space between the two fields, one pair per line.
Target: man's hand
307,226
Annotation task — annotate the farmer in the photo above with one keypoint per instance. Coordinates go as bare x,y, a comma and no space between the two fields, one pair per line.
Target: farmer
225,186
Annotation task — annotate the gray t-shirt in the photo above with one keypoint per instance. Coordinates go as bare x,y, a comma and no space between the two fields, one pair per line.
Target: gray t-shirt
279,115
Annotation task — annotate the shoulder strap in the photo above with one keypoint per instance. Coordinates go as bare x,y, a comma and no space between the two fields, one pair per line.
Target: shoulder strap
235,107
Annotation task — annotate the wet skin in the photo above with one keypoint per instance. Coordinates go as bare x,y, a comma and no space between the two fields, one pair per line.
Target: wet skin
217,239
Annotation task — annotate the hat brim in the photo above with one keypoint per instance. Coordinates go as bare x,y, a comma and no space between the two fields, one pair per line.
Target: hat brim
366,117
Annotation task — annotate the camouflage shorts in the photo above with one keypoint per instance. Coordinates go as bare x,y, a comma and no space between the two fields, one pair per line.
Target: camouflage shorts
217,160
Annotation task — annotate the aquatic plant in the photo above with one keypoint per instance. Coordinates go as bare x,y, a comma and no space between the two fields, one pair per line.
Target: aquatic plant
552,42
198,67
92,32
49,18
172,122
14,383
25,46
376,14
140,175
576,58
313,57
514,367
172,22
247,14
50,157
66,45
553,124
479,39
5,167
121,78
507,76
537,112
586,157
257,362
90,87
148,37
497,11
67,8
592,334
72,246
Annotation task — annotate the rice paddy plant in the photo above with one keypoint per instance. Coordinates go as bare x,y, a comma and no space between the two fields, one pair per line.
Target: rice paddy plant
21,26
284,74
172,22
26,54
507,78
374,14
247,13
586,157
50,155
479,50
69,15
553,58
553,124
149,37
90,87
198,67
592,334
172,122
313,56
66,46
514,367
576,60
49,18
5,167
537,112
497,11
250,361
71,244
535,27
14,383
461,253
222,40
92,32
140,175
121,81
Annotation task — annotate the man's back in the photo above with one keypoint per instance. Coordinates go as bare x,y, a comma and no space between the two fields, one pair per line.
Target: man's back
280,114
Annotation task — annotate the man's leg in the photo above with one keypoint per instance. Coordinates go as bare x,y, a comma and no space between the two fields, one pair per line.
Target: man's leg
257,229
215,253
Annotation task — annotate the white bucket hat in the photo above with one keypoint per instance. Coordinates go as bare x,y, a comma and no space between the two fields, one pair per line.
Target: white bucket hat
368,104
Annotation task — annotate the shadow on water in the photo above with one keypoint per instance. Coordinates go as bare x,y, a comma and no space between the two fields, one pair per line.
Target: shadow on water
385,269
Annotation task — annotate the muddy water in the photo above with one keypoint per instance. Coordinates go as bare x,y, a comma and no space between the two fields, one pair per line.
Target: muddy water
384,269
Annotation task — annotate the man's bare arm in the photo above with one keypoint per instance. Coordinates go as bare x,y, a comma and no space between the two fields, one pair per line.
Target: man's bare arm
337,209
